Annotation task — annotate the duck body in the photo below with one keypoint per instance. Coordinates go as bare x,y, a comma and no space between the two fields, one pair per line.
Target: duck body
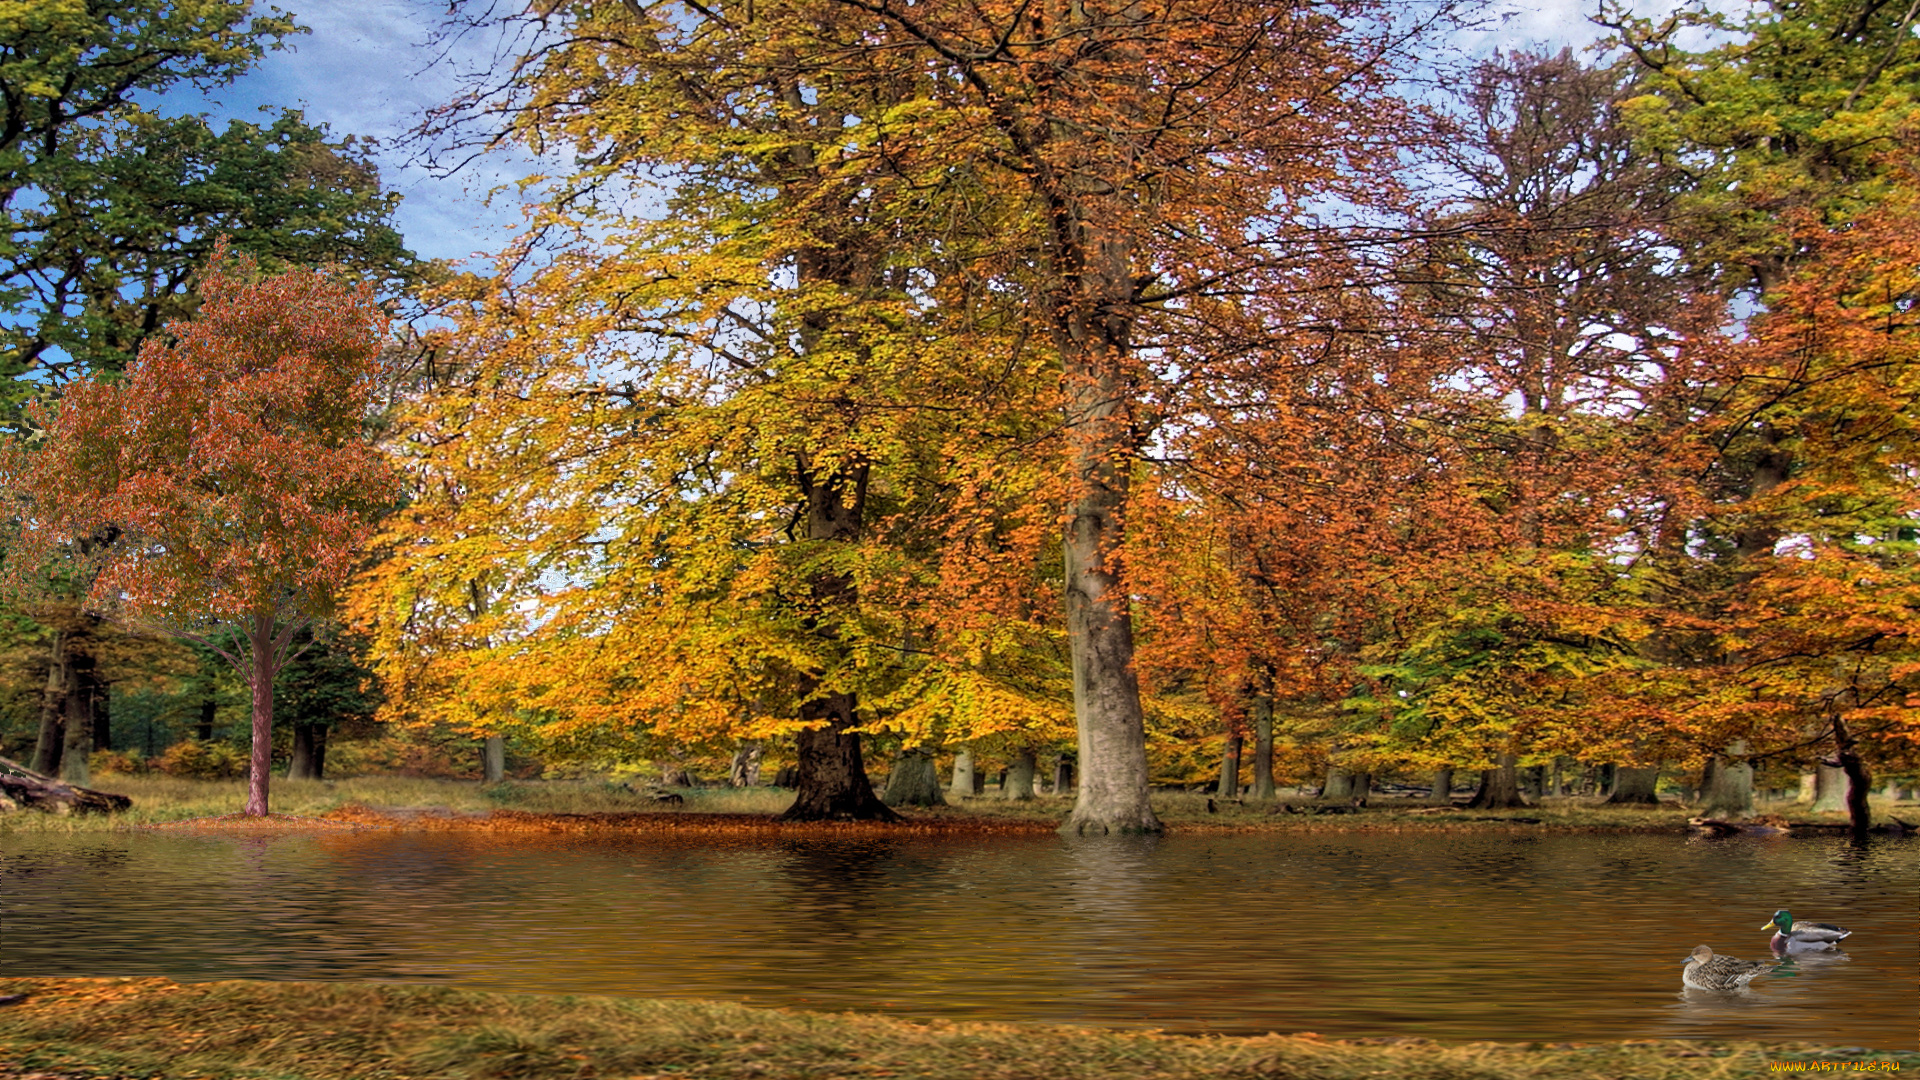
1794,936
1705,971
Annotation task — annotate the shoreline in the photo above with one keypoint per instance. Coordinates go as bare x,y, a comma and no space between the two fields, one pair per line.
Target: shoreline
151,1027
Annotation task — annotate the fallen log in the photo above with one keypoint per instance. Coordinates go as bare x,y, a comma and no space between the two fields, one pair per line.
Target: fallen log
21,786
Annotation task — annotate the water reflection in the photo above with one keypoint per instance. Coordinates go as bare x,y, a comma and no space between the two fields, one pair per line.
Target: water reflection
1514,937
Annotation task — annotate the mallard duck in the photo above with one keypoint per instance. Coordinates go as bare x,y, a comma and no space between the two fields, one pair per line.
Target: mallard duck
1791,936
1705,971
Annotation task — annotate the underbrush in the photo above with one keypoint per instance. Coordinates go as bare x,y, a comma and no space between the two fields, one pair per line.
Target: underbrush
324,1031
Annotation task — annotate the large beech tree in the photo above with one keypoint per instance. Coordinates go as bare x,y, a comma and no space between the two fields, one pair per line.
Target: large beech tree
228,481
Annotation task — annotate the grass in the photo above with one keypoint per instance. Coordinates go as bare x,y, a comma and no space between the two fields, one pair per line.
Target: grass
159,799
154,1028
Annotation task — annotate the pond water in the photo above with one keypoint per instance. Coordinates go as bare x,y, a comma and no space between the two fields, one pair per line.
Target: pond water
1556,937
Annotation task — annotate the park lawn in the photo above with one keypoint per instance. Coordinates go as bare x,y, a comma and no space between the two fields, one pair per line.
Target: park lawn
160,800
152,1028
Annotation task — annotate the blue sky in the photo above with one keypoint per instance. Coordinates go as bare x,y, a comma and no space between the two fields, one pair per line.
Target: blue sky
369,68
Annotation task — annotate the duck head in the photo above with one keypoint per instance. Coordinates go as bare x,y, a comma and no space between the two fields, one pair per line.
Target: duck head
1782,921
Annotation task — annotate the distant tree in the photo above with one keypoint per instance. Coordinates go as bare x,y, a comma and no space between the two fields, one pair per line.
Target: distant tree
227,482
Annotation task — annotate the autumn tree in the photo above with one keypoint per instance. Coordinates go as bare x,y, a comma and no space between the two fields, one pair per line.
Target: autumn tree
110,206
229,473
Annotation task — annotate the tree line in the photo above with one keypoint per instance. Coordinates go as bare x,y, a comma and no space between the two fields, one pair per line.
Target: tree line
1003,377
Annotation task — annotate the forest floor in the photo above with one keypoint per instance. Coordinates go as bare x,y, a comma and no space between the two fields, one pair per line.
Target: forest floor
161,801
156,1029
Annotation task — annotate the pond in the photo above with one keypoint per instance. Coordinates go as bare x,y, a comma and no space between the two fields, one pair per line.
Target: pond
1447,936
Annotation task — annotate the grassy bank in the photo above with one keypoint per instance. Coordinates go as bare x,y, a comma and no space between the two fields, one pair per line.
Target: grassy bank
159,800
154,1028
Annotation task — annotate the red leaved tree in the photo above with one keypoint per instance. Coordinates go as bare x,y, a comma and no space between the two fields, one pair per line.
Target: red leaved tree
228,482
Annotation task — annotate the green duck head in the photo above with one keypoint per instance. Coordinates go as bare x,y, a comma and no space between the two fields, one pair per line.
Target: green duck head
1782,921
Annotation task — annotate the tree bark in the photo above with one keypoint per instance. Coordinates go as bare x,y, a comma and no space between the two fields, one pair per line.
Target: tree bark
21,786
1442,793
1229,787
1829,789
914,781
1727,789
1063,774
1262,748
266,649
300,762
204,729
1019,781
1499,786
493,759
320,734
745,769
53,705
831,779
1858,781
78,744
963,773
1635,787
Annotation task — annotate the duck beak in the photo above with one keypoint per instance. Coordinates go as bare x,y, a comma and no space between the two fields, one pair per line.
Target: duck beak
1766,924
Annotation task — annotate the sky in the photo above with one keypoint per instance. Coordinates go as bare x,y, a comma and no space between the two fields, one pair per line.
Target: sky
370,68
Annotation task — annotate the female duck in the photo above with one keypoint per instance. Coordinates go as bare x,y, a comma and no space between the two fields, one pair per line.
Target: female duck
1790,936
1705,971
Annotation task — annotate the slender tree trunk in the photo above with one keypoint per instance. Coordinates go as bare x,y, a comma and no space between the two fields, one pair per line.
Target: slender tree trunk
1019,781
1263,748
493,759
1499,786
1635,787
265,650
320,733
1442,793
1829,789
914,781
204,729
53,705
963,772
75,769
102,714
1559,779
1230,768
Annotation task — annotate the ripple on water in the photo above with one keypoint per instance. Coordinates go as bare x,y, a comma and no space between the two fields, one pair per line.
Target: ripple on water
1450,936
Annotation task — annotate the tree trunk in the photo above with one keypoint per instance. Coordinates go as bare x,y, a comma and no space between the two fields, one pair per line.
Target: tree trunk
830,777
914,781
102,715
53,707
21,786
1809,790
1019,781
204,729
320,733
493,759
1829,789
745,769
1635,787
1499,786
1442,793
266,646
1727,788
78,744
1339,784
1858,813
300,764
963,773
1230,768
1063,774
1263,748
1559,779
